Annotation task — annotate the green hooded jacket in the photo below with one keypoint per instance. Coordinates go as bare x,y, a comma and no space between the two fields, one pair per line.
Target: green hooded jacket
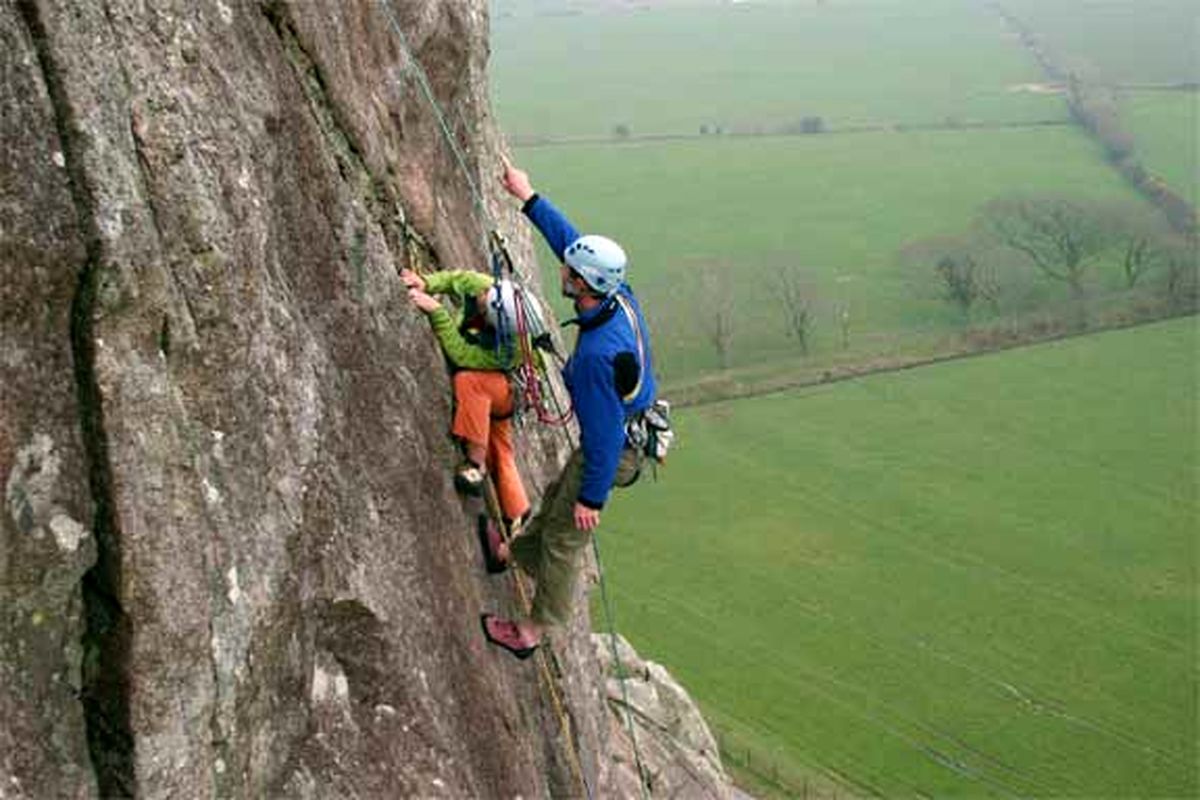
465,346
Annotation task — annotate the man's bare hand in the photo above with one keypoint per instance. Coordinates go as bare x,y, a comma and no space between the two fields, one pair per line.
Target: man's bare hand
412,280
516,181
586,519
424,301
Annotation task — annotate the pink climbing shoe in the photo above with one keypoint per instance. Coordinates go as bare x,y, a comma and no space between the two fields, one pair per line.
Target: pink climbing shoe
505,633
490,542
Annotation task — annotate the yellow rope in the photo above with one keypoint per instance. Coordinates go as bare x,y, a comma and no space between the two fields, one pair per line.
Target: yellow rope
564,721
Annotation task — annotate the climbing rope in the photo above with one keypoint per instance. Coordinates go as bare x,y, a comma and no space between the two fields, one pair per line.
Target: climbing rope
610,619
494,245
622,678
439,115
531,380
532,384
493,502
643,775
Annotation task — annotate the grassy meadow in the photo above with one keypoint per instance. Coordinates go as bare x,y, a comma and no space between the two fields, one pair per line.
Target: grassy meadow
755,66
973,579
708,217
1118,41
836,207
1165,126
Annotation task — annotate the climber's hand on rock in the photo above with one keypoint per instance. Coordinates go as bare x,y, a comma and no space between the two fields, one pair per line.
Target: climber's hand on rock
412,280
424,301
516,181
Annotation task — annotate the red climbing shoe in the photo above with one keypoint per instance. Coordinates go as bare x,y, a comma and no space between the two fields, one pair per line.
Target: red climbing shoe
490,542
506,634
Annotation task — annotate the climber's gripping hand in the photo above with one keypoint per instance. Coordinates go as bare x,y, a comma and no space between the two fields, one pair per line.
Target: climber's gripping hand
423,301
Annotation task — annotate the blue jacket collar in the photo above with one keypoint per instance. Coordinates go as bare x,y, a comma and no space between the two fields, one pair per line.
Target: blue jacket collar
597,316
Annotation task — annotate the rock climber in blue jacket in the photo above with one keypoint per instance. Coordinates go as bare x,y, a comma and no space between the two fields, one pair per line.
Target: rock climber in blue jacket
610,378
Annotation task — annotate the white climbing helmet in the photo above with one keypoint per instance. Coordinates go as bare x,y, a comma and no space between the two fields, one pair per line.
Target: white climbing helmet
599,261
504,300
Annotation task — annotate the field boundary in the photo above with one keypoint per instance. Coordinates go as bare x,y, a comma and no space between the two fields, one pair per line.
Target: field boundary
724,387
534,142
1106,130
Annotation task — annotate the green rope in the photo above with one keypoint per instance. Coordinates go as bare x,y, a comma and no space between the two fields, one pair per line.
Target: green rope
477,196
439,115
643,778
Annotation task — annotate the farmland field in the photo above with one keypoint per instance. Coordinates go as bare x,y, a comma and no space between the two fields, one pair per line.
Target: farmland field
758,65
833,208
837,207
973,579
1165,126
1118,41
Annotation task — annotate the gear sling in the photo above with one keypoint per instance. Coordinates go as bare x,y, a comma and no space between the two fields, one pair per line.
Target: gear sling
648,433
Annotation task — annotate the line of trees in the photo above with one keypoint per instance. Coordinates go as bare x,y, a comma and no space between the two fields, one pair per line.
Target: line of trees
709,309
1094,249
1064,238
1094,107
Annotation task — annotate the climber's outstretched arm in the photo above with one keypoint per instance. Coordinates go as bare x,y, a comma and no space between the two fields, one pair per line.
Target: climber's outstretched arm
552,223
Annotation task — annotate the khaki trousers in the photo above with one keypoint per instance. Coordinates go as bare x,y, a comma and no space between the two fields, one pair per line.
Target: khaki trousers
551,547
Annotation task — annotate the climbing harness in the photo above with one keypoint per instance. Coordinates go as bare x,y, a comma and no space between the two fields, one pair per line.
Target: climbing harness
648,433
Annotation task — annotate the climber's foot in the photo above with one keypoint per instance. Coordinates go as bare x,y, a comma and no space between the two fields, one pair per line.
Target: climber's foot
508,634
495,549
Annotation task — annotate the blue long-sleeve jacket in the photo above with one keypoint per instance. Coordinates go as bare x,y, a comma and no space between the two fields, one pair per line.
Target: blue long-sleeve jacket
597,372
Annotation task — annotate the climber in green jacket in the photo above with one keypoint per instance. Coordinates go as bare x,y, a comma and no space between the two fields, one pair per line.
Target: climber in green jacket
479,341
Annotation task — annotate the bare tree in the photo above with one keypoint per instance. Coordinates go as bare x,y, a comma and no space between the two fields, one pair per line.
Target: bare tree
1060,235
1143,239
958,267
795,293
1179,256
1136,257
842,314
715,309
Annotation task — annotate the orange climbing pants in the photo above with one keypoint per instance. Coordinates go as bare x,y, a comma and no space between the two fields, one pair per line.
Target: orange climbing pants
483,416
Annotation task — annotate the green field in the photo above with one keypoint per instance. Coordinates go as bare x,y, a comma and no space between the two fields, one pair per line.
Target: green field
836,207
974,579
1118,41
758,66
1166,127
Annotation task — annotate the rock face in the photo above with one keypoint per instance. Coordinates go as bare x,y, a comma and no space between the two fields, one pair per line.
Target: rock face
232,563
676,749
